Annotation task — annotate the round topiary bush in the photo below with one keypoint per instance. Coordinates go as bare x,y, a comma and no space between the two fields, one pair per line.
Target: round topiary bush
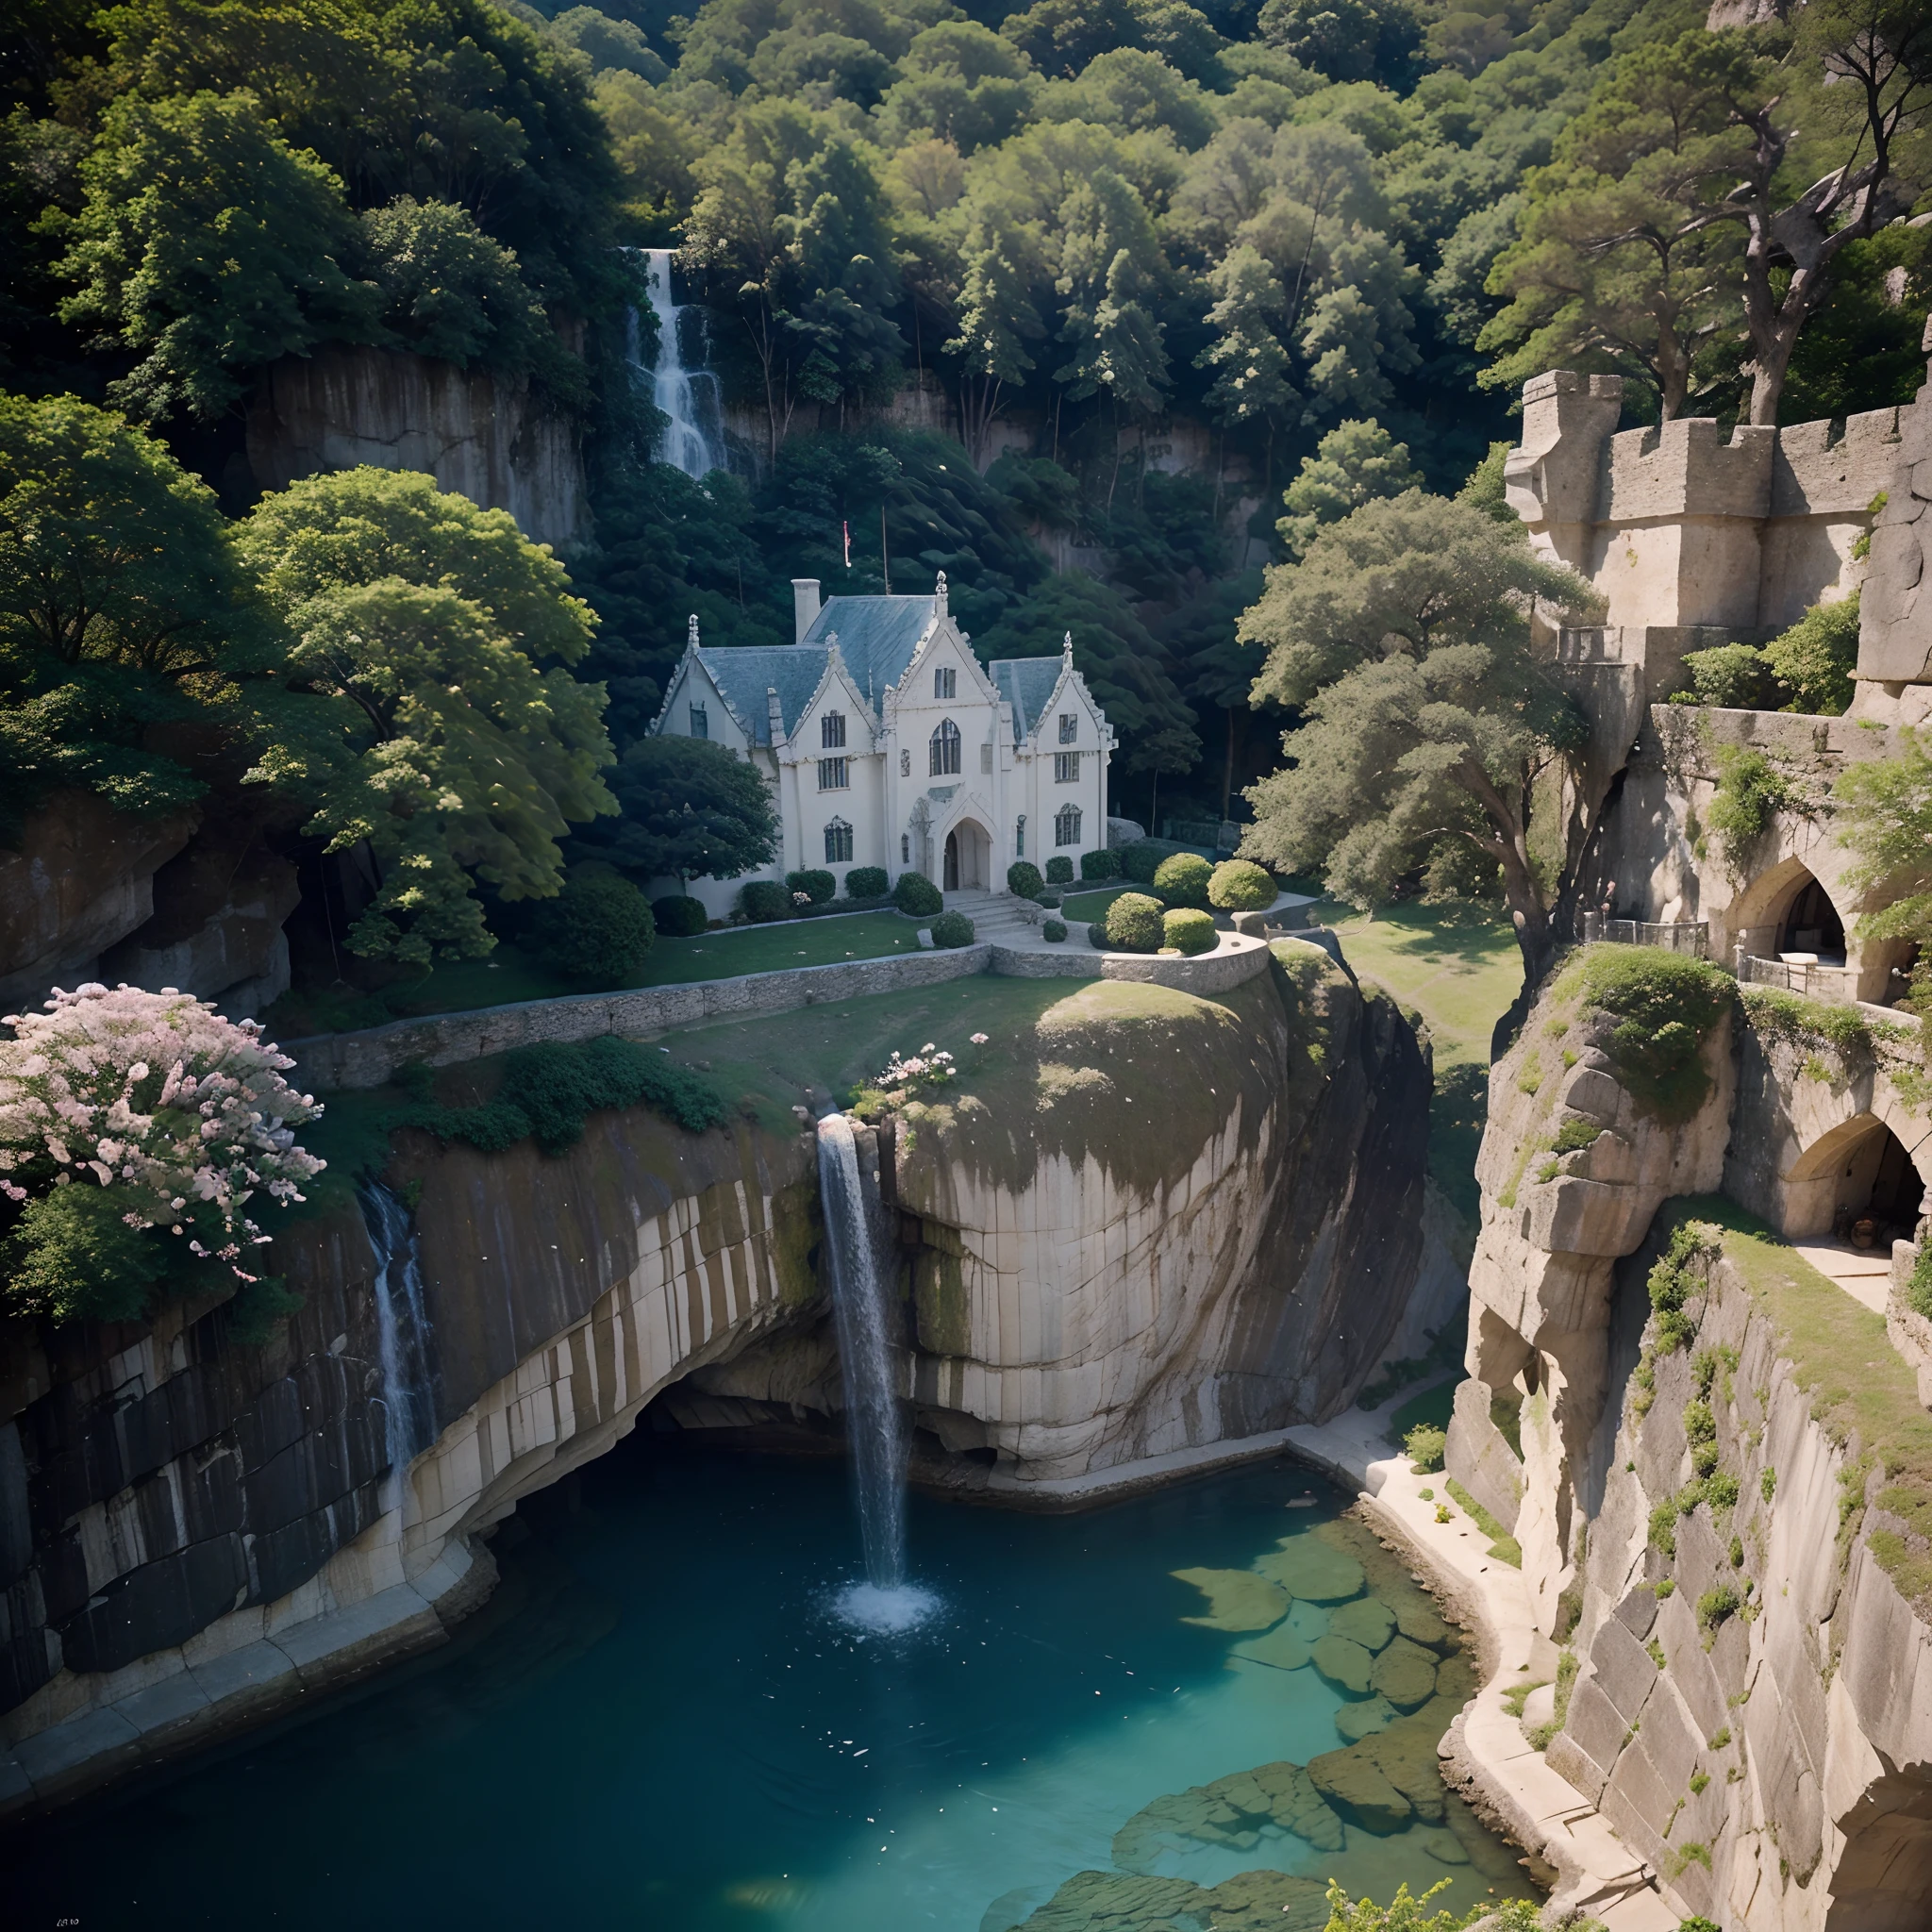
951,930
1050,900
1189,930
764,900
867,882
1024,880
1059,870
596,931
1238,885
818,885
1103,864
1054,931
1096,935
916,895
1182,879
1133,923
678,916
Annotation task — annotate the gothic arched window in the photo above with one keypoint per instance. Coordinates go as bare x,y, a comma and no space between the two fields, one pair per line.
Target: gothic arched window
1066,826
945,750
838,842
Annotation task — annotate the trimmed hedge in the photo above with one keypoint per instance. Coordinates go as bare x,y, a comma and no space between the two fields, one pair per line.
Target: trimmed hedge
764,900
597,931
917,896
1024,880
679,915
867,882
1103,864
1053,931
951,930
1238,885
1060,870
1189,930
818,885
1096,935
1182,879
1133,923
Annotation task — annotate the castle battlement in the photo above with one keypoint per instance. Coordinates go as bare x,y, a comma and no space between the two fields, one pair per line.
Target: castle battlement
1681,525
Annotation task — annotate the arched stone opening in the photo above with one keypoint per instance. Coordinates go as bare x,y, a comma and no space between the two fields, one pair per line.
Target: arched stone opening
968,855
1859,1181
1810,925
1883,1877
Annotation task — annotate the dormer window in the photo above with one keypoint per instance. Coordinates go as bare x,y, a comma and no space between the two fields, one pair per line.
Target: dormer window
945,683
700,722
1070,729
832,731
945,749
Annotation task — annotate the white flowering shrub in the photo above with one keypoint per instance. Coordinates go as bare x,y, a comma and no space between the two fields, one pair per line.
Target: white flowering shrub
137,1130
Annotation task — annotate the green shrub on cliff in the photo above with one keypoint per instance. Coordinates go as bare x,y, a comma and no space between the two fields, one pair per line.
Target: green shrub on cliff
1425,1447
550,1090
1182,880
1666,1005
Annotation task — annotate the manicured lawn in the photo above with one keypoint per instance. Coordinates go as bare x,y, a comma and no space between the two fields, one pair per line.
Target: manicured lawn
1458,966
836,1046
510,975
1087,907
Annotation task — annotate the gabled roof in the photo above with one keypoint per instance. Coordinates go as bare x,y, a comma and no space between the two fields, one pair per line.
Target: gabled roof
1027,685
744,673
877,636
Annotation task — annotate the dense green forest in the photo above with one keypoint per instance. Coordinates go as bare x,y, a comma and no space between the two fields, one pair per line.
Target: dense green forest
1326,238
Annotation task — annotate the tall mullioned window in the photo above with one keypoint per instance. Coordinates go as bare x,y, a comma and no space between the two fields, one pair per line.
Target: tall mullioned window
700,722
1066,826
945,750
1066,768
838,842
832,731
835,774
1070,729
946,682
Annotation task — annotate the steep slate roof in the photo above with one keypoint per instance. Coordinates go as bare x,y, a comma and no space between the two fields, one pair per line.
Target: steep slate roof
878,637
745,672
1027,684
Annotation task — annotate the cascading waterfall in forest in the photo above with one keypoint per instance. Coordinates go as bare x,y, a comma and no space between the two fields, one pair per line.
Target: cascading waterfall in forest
690,399
402,1325
885,1601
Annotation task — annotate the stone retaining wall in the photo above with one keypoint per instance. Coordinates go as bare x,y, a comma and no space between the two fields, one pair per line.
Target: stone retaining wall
335,1061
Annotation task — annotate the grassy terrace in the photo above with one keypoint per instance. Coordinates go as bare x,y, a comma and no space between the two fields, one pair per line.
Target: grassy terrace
1458,966
1861,1391
510,975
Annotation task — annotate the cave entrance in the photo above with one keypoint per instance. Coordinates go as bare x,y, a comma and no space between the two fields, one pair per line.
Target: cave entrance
1859,1182
1811,924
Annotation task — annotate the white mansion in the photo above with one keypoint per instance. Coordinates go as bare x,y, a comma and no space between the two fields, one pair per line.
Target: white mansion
888,743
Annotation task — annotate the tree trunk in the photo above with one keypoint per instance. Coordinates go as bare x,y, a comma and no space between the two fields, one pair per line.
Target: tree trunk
1227,766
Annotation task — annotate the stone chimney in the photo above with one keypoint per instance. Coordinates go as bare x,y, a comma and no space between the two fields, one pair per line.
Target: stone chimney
804,606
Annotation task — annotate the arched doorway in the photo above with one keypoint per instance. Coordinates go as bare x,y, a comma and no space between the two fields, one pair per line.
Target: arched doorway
966,855
1811,924
1856,1180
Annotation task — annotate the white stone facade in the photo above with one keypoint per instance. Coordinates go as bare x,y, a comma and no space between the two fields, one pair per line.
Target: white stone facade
888,743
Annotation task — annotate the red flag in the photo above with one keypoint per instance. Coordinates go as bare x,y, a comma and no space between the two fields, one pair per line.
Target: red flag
847,529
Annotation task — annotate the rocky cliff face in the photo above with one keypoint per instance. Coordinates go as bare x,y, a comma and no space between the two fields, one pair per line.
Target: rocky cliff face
1754,1707
1572,1170
1162,1222
484,438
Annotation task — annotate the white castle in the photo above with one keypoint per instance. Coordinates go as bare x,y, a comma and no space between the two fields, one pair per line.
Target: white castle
888,743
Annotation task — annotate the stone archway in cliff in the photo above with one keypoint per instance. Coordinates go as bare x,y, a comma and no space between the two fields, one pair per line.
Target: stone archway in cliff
1788,909
1883,1877
1859,1169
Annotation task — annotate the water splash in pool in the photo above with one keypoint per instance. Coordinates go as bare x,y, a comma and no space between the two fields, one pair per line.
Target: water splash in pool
869,1366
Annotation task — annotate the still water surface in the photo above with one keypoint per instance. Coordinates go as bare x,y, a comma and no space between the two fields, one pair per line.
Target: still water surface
661,1722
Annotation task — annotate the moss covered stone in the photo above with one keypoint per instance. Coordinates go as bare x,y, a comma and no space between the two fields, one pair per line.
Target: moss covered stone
1346,1665
1368,1620
1310,1568
1237,1599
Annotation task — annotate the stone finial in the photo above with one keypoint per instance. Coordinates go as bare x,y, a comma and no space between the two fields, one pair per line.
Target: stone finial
690,633
938,594
833,660
774,713
1067,648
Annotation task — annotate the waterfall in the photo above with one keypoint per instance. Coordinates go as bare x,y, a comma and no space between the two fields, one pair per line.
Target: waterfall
690,397
402,1325
885,1602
